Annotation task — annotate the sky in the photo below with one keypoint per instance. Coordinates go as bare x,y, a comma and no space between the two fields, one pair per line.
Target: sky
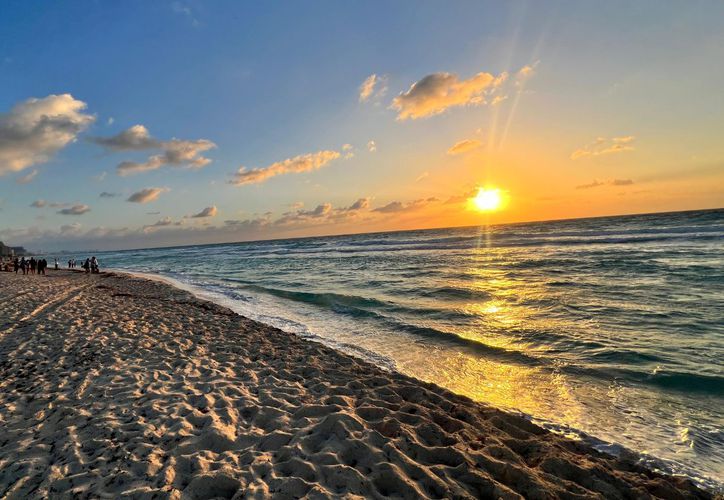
143,124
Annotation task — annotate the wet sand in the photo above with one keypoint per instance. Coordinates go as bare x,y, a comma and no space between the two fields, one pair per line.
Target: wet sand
112,386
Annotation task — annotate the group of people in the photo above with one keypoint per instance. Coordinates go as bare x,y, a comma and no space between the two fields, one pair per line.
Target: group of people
31,265
89,265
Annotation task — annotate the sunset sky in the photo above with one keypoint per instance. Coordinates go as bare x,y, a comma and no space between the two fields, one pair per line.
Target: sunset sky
132,124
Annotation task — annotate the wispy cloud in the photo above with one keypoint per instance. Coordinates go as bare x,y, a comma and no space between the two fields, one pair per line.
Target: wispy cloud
604,146
398,206
74,210
438,92
372,147
184,9
28,178
463,146
146,195
598,183
296,165
35,129
38,203
106,194
373,86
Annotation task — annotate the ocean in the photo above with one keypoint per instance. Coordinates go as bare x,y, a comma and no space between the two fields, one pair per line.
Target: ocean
607,329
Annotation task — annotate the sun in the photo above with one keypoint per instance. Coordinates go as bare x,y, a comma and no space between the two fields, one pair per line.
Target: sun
488,199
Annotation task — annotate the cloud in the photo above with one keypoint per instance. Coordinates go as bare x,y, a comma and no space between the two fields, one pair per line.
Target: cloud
361,204
525,73
206,212
348,151
438,92
398,206
598,183
25,179
106,194
463,146
38,203
135,138
422,176
184,9
75,210
498,99
175,153
591,185
146,195
371,146
35,129
164,222
324,213
604,146
367,89
167,232
296,165
99,177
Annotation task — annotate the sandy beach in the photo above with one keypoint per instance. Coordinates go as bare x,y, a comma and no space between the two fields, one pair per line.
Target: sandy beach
114,386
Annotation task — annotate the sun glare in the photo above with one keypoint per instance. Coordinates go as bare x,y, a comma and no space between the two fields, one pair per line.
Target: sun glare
488,199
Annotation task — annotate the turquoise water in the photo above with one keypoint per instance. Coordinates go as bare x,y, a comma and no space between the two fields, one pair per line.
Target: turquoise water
608,327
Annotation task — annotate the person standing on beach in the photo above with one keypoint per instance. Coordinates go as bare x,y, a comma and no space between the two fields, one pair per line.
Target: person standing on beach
16,265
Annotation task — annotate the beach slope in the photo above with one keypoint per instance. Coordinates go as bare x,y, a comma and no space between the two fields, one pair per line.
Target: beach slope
114,386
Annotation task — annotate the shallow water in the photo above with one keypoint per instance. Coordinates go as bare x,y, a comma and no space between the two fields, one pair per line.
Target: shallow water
613,326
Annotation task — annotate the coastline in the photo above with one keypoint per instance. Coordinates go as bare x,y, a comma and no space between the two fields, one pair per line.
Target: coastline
115,385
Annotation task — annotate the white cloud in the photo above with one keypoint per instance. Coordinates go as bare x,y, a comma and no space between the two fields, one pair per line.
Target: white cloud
422,176
296,165
35,129
463,146
25,179
38,203
604,146
371,146
373,86
438,92
74,210
146,195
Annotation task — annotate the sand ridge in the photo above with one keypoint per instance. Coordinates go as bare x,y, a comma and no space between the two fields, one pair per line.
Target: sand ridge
114,386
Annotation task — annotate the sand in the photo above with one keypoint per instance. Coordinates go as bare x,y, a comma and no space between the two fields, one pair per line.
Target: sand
114,386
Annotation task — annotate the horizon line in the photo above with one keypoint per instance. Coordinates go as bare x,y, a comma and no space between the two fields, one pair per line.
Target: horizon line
339,235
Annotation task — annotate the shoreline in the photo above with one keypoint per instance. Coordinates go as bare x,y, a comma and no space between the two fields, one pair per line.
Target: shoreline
116,384
608,447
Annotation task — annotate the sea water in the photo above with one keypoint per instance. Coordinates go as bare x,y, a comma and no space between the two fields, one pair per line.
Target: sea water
607,329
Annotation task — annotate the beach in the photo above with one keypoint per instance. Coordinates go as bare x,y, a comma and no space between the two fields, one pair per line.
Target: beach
113,385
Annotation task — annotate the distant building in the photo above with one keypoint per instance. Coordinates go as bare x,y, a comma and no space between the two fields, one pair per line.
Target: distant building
6,251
